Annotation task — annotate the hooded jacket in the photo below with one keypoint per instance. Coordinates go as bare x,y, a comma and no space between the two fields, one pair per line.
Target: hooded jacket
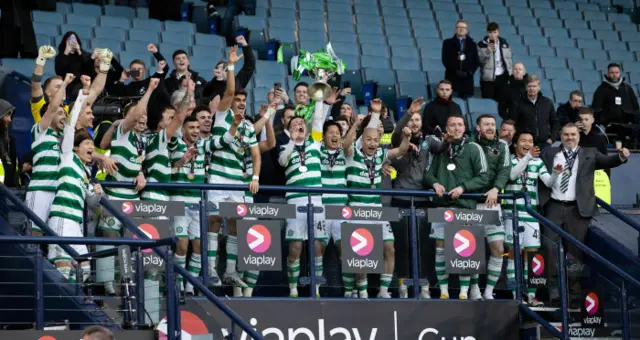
217,87
539,118
606,107
567,114
488,62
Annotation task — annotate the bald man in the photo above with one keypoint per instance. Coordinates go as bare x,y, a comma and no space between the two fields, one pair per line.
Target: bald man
516,88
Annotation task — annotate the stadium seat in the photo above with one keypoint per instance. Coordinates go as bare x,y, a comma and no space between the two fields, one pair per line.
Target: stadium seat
432,65
81,20
620,56
590,87
281,34
564,85
591,76
580,64
142,13
568,52
46,29
589,43
24,66
614,46
570,15
110,33
312,45
367,61
561,73
311,35
179,26
594,54
334,17
63,8
535,40
630,36
625,27
413,89
575,23
542,51
83,32
410,76
139,47
607,35
114,45
47,17
143,36
43,39
375,50
282,23
480,106
380,75
311,15
550,23
87,9
552,62
150,25
341,28
119,11
311,25
401,63
110,21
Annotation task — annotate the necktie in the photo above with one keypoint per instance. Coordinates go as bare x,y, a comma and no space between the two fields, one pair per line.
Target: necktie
564,182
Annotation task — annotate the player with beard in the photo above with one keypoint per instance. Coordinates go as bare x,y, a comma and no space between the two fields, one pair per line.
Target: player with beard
230,145
463,168
527,169
364,170
188,166
73,188
46,135
128,149
496,152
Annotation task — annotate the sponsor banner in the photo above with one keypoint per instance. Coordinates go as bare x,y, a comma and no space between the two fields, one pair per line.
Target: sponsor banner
154,229
259,245
576,331
74,335
593,309
192,326
464,249
258,210
360,319
150,208
356,213
537,277
463,216
363,253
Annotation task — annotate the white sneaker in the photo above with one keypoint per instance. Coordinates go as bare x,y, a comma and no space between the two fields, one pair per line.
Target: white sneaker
235,280
384,295
474,293
533,302
363,294
237,292
293,292
247,292
189,289
403,292
488,296
424,292
213,274
347,294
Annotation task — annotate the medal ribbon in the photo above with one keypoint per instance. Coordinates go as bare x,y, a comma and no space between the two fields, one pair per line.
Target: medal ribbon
301,152
332,158
523,177
371,167
137,140
453,154
570,159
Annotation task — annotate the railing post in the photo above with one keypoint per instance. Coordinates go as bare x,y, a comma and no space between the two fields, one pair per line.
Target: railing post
517,258
39,290
312,247
626,331
204,241
140,310
413,238
564,304
171,296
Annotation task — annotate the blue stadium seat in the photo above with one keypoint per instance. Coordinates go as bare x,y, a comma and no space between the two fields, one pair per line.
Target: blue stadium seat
540,4
589,43
592,16
434,44
590,87
614,46
335,8
590,77
563,51
113,44
341,28
599,25
47,29
176,37
394,12
368,19
79,19
413,89
432,65
368,61
142,13
282,23
120,11
168,49
368,29
619,56
415,5
564,85
312,45
143,35
557,32
529,62
569,15
630,36
580,64
581,33
545,13
179,26
594,54
607,35
270,68
576,24
541,51
63,7
410,76
552,62
137,47
290,5
397,22
119,22
431,53
515,3
366,9
527,30
311,5
425,32
421,15
447,16
583,7
371,39
84,32
561,42
109,33
375,50
470,8
380,75
24,66
400,41
519,12
561,73
442,6
151,25
347,38
535,40
43,39
311,15
634,45
398,31
345,49
602,64
550,23
480,106
281,34
334,17
625,27
311,35
251,22
311,25
401,63
561,96
47,17
87,9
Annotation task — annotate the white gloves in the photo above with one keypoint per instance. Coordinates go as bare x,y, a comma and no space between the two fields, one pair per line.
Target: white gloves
45,52
105,55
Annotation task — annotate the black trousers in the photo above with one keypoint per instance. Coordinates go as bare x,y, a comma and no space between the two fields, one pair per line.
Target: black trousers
401,230
494,89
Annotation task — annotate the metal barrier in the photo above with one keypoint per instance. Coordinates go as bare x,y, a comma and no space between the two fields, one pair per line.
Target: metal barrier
624,218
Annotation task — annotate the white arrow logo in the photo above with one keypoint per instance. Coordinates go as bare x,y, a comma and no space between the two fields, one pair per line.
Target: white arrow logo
536,265
591,303
465,243
362,242
259,238
241,210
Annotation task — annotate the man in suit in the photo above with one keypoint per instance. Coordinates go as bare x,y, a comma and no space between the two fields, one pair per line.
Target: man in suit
572,202
460,60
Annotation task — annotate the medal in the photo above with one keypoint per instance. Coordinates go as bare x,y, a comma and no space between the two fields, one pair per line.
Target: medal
451,166
454,153
241,150
140,159
245,175
174,171
191,176
303,168
301,152
373,186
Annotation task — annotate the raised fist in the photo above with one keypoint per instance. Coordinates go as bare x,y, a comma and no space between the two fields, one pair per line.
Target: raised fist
68,78
152,48
46,52
153,83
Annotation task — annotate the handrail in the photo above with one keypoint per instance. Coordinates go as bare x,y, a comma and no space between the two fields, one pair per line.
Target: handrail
554,331
183,272
626,219
89,240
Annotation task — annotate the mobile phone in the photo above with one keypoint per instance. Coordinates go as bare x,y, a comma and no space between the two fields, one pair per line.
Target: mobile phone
346,85
72,38
276,86
134,73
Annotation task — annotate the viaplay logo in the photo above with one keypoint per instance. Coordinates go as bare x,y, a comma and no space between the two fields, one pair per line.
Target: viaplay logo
242,210
591,303
190,324
464,243
538,264
151,233
258,239
449,216
47,337
362,242
127,208
347,213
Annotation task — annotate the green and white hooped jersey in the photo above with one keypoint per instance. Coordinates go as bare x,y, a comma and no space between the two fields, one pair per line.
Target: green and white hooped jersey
310,178
46,159
358,176
227,155
534,170
333,165
157,165
72,190
124,150
178,147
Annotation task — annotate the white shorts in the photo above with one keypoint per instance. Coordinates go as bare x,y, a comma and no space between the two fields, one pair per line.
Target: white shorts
187,225
334,229
66,228
529,238
108,222
297,227
40,203
491,232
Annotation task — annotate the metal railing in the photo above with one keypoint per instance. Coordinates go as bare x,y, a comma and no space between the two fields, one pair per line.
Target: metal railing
624,218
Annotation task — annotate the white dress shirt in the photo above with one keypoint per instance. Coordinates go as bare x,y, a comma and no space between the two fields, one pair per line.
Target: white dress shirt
556,192
497,54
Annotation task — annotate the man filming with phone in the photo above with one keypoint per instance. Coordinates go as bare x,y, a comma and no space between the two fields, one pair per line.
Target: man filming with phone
136,74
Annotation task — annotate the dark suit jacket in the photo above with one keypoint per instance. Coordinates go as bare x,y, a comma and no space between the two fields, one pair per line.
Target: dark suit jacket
589,160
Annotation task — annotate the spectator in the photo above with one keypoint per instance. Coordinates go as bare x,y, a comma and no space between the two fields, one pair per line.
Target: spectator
568,112
341,108
136,74
301,97
181,68
591,136
515,89
97,333
494,55
218,83
536,113
70,61
460,60
8,157
437,112
345,122
572,201
17,36
51,85
507,130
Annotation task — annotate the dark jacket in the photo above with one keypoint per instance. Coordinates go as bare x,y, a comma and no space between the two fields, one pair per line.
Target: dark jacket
272,173
436,113
216,87
540,118
595,139
173,84
138,88
460,72
113,77
604,103
567,114
471,172
589,160
499,160
16,29
514,90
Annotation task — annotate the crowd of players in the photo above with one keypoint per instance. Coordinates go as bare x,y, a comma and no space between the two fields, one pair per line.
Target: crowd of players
216,143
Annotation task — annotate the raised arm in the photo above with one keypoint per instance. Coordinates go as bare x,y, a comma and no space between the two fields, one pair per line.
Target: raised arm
105,143
183,109
415,107
270,142
70,127
141,107
44,53
350,138
55,102
404,146
519,168
105,55
230,90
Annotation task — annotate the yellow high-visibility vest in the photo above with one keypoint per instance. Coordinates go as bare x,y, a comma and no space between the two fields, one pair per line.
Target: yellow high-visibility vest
1,172
602,186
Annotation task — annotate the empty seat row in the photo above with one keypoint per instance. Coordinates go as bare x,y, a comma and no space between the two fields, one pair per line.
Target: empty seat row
111,21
